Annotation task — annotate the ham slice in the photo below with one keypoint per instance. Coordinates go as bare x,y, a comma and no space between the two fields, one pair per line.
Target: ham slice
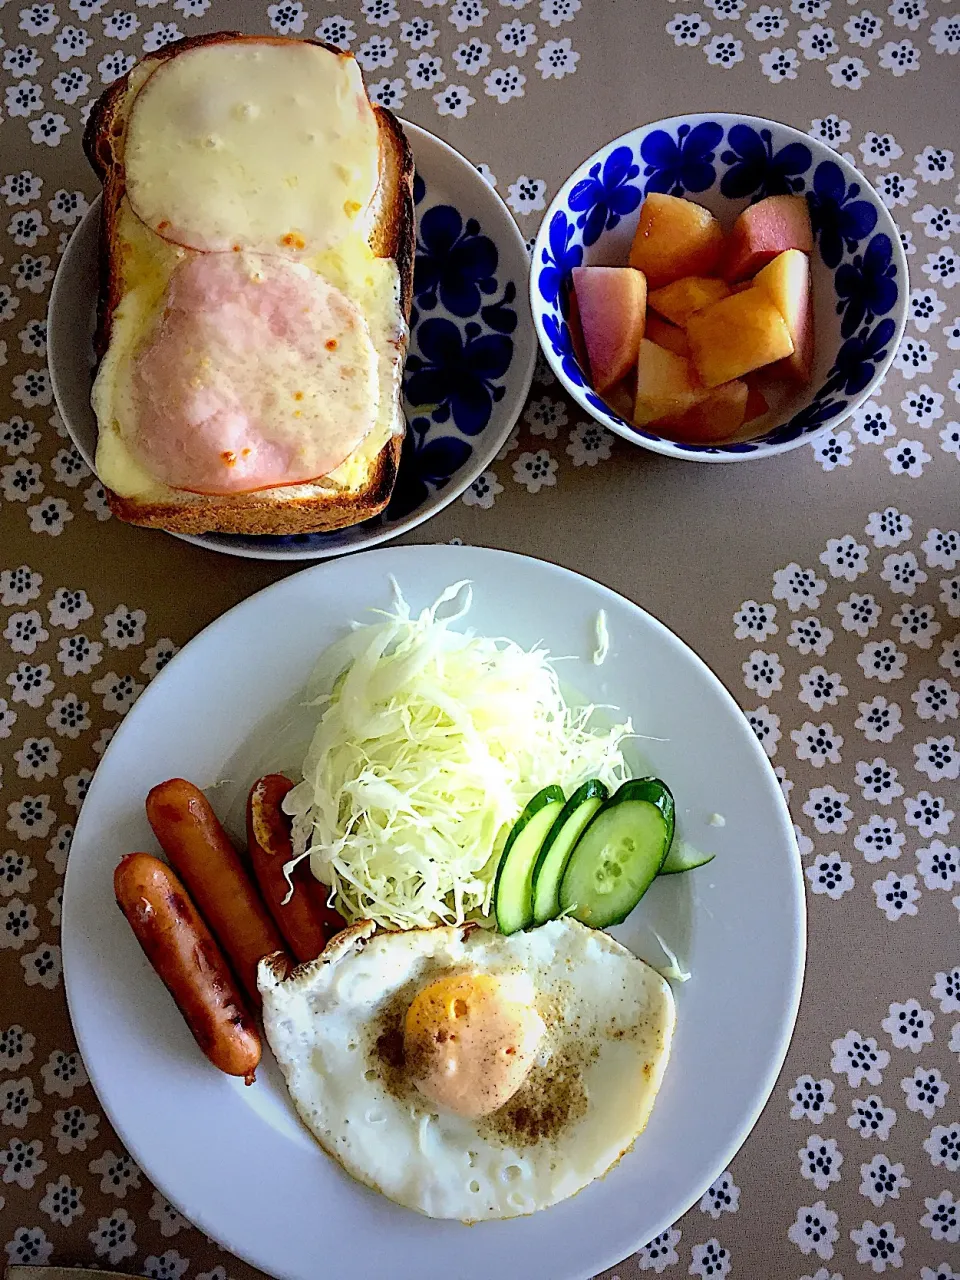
259,373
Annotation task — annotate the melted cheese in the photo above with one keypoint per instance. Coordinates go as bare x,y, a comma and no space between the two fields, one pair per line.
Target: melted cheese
147,261
266,146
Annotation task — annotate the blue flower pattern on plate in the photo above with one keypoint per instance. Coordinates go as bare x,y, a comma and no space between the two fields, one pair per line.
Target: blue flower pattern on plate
866,286
460,352
607,195
457,361
559,259
684,160
685,163
757,170
840,220
455,264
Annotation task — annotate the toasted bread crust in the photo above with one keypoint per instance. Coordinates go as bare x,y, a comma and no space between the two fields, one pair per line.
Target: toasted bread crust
295,509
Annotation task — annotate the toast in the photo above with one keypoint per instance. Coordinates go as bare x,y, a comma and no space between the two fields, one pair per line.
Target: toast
319,505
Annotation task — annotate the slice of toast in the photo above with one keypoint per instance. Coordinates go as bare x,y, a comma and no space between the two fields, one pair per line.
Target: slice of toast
290,509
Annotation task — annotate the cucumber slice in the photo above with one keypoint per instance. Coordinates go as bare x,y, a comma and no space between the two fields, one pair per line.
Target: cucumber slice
684,857
619,854
557,847
513,891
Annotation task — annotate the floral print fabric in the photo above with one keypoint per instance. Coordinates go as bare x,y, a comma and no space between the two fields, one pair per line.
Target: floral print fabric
824,587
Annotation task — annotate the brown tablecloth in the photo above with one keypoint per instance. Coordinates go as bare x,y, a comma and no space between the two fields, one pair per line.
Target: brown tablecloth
822,586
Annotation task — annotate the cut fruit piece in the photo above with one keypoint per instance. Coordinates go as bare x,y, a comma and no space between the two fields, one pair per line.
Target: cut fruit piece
717,416
620,396
737,334
675,238
666,335
666,384
787,281
576,333
684,297
612,302
769,227
757,404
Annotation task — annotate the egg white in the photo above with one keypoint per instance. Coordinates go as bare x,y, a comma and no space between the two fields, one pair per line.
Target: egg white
335,1026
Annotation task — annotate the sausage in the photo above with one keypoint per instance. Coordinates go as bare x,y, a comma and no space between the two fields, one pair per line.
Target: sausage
191,836
305,921
189,962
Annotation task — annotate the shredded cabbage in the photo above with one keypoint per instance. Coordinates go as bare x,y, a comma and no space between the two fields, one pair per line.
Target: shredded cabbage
430,743
673,969
603,639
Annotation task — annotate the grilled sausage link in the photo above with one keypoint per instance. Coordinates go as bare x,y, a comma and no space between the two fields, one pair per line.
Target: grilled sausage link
305,921
188,961
191,836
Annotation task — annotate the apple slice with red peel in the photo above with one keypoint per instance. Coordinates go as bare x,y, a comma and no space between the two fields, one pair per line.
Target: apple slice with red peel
666,335
787,282
717,416
736,335
612,305
682,298
667,384
675,238
763,231
576,333
756,405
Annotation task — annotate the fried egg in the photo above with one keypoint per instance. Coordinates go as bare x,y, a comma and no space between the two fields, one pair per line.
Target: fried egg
470,1075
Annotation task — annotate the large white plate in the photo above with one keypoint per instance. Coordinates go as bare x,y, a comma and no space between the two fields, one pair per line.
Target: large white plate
235,1160
470,334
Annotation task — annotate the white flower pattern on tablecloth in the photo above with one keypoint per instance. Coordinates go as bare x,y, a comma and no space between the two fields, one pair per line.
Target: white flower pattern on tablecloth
113,1237
881,1181
661,1252
909,1025
811,1099
63,1073
879,1246
879,719
162,1211
63,1202
871,1119
815,1230
942,1218
29,1247
118,1173
556,59
341,33
16,1048
859,1059
863,28
897,895
928,813
943,1146
819,688
454,100
724,51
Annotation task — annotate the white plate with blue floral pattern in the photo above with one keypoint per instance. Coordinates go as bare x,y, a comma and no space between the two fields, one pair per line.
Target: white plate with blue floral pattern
468,371
725,162
235,1160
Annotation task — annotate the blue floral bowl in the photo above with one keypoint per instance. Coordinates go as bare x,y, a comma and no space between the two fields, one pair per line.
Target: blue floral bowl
726,162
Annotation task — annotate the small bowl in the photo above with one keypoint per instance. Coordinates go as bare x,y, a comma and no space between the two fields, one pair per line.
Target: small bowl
726,162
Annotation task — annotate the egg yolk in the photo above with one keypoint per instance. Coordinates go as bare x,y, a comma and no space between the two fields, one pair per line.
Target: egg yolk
469,1043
